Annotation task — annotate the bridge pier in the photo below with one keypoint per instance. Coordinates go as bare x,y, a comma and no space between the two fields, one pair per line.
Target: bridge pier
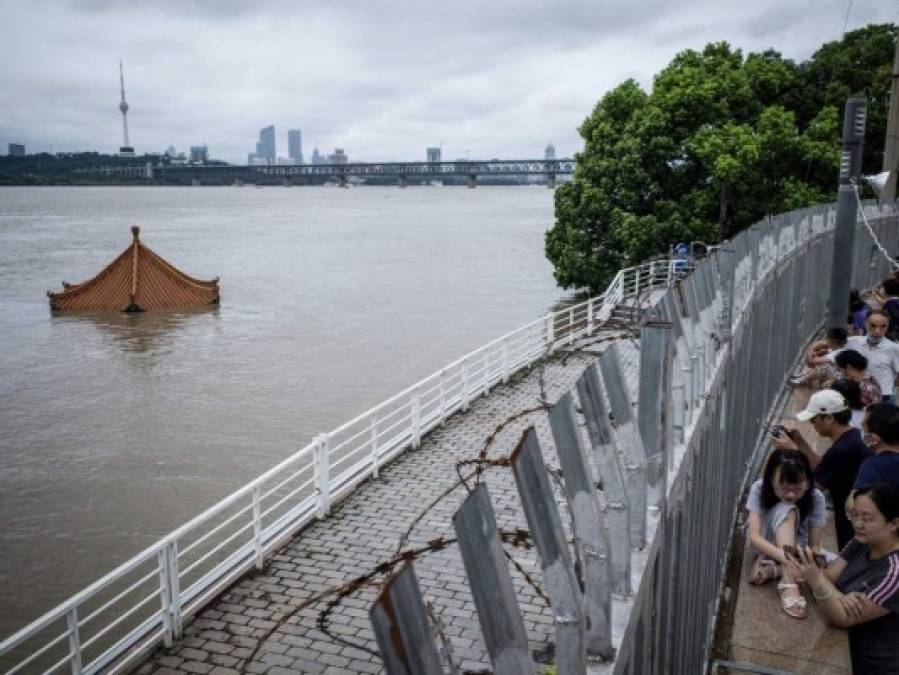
341,181
401,181
238,182
286,182
472,181
550,180
195,182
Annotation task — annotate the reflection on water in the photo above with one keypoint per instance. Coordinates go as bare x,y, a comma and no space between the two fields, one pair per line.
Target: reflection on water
141,333
117,428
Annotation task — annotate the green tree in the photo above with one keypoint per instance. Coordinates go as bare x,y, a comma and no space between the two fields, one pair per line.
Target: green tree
720,141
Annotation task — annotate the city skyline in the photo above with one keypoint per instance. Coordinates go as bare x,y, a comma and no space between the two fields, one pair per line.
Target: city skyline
480,87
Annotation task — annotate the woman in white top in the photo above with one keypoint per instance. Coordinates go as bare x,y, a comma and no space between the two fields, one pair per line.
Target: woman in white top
785,510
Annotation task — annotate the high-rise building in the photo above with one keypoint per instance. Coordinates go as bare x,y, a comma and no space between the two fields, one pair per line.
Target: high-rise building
16,150
265,148
317,157
549,152
295,145
338,157
199,154
434,154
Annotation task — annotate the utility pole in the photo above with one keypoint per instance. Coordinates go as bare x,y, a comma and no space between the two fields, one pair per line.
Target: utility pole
847,210
891,145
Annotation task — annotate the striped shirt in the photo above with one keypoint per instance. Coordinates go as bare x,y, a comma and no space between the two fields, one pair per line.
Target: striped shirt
874,645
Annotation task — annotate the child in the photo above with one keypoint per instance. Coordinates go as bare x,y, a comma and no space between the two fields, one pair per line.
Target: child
785,509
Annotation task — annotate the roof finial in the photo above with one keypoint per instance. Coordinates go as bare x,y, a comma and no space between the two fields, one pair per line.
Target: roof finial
135,230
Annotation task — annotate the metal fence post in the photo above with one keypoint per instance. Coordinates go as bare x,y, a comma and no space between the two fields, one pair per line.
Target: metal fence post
550,331
465,394
545,525
629,443
491,586
599,429
590,530
171,552
442,396
74,641
375,458
654,393
165,597
505,360
401,628
257,527
322,479
416,417
571,325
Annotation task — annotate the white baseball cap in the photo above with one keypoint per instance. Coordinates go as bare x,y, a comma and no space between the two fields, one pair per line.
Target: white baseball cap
824,402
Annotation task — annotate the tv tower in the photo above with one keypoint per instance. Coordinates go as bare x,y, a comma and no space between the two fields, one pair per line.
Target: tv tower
126,150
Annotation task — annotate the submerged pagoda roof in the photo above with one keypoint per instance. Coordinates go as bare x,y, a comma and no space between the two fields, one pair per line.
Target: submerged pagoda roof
137,280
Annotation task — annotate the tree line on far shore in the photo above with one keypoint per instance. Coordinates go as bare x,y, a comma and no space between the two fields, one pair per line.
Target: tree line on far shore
721,141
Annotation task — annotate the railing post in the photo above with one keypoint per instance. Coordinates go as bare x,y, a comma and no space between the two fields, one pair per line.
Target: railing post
465,395
74,641
416,417
442,396
550,331
505,357
637,283
171,552
571,325
590,316
322,480
375,460
257,527
165,598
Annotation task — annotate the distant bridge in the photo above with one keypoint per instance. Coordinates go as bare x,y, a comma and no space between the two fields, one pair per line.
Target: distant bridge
341,173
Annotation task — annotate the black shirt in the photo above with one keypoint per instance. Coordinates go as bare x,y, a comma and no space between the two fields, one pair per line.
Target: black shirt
874,645
836,472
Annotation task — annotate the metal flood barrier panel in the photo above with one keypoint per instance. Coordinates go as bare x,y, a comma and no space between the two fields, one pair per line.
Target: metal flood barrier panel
747,334
713,355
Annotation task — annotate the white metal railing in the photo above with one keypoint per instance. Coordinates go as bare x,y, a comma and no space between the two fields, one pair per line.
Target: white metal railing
113,621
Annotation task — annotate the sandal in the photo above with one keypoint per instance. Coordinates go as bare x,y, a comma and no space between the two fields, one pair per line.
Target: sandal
763,569
793,605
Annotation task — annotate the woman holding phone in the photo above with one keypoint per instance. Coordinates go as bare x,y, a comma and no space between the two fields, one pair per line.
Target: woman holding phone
785,509
859,590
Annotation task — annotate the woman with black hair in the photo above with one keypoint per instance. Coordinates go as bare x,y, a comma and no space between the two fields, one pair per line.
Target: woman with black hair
859,589
785,509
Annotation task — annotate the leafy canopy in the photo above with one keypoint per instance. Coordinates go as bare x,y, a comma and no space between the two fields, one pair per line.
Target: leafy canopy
721,141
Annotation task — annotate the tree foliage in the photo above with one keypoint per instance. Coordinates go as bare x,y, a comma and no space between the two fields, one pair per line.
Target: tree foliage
720,141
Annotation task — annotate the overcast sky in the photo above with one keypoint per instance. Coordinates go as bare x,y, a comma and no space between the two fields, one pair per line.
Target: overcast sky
382,79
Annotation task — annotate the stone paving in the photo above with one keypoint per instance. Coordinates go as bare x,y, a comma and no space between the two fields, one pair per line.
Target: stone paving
364,530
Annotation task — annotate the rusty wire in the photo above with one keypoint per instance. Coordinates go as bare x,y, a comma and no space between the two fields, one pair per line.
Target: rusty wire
381,574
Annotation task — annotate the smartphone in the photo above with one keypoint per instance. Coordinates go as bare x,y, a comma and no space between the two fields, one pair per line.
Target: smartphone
778,430
791,552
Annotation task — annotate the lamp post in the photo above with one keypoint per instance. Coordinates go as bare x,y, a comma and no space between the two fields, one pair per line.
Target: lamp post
844,232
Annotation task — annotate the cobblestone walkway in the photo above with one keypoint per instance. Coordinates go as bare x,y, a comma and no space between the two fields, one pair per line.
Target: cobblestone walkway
362,531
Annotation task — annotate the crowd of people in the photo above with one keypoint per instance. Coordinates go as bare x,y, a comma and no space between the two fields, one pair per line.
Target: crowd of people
853,410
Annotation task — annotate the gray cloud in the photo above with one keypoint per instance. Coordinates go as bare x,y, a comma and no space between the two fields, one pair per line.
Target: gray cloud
382,79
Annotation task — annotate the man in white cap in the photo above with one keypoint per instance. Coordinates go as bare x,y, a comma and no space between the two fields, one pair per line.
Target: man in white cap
835,470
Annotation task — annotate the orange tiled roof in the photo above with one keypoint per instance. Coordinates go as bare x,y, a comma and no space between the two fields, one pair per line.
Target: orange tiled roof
137,280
